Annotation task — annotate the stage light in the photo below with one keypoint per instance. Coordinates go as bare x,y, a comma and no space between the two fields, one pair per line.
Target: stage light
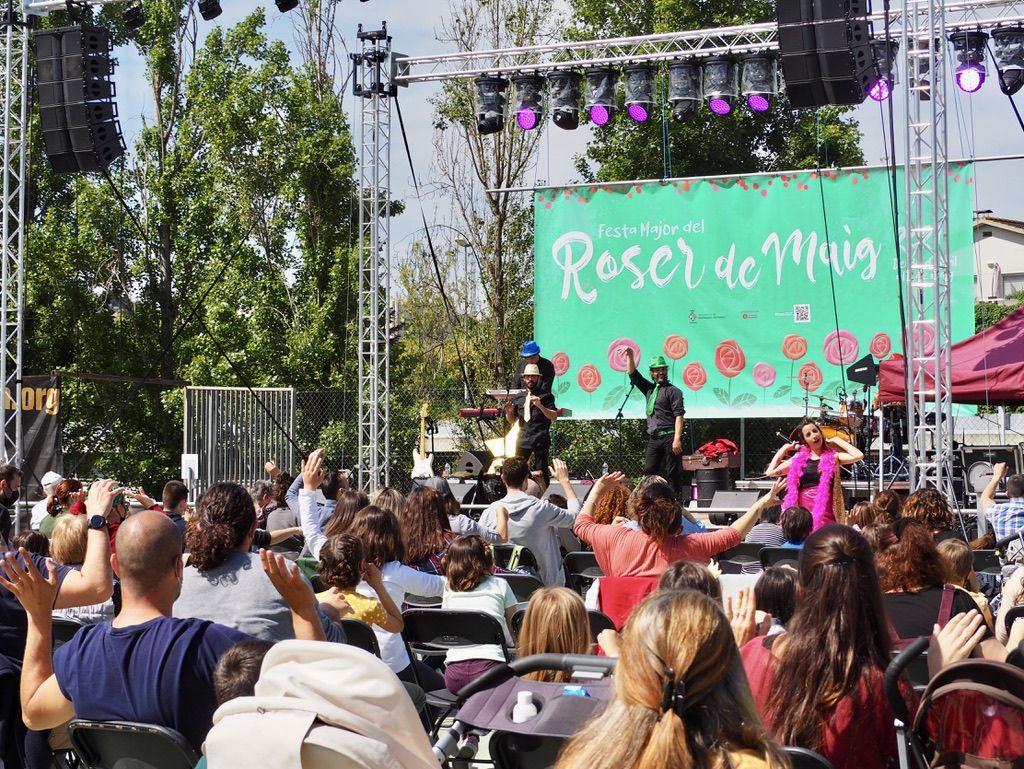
759,81
490,103
564,93
286,5
601,95
134,17
209,9
1009,54
529,100
884,54
970,52
639,92
720,85
683,89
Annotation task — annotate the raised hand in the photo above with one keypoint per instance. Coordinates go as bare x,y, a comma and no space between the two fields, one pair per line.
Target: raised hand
956,640
741,613
559,471
101,497
288,581
313,472
35,592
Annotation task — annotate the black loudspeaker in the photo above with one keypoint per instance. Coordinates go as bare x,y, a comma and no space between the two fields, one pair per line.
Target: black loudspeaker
825,51
742,499
978,462
77,113
473,463
863,372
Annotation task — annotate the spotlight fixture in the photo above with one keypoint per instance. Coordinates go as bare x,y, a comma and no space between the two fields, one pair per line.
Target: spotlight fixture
970,51
564,93
529,100
601,95
639,92
1009,55
490,103
286,5
759,81
720,85
209,9
884,54
683,89
134,17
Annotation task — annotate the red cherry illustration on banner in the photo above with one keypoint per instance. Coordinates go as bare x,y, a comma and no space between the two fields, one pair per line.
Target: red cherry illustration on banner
589,378
729,358
561,363
810,377
694,376
881,345
675,346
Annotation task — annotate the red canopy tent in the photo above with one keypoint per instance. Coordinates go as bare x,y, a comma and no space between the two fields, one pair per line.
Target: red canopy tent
988,368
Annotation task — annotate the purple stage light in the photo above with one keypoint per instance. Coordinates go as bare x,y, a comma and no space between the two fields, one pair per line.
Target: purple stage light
720,106
599,115
758,103
637,112
527,119
970,77
880,90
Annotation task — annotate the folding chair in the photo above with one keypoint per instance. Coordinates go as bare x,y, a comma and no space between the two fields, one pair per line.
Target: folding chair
514,557
523,585
780,556
802,758
64,628
598,621
727,566
361,635
112,744
744,551
434,631
581,569
422,602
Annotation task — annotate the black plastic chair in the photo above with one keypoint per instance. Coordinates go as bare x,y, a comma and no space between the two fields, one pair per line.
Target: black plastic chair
64,628
422,601
361,635
802,758
598,621
503,556
727,566
1014,614
744,551
780,556
111,744
987,561
431,632
523,585
581,569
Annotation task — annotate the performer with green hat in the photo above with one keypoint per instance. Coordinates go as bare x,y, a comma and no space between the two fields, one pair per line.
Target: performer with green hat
665,412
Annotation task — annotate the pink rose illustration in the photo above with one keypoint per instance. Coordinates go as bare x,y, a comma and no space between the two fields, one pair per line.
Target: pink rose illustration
561,363
841,348
764,374
589,378
810,377
694,376
675,346
928,340
881,345
617,356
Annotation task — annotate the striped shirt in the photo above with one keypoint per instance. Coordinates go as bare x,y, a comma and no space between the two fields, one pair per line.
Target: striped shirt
767,534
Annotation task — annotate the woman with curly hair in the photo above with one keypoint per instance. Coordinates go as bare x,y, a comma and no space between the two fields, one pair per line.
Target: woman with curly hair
224,580
680,698
426,530
612,504
930,507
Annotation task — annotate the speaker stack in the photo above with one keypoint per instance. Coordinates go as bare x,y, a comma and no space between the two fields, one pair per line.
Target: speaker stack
825,51
77,112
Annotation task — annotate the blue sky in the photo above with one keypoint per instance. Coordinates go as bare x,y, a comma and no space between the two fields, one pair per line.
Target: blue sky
979,125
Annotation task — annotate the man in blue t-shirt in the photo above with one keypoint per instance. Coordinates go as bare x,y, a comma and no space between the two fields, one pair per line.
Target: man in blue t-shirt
144,665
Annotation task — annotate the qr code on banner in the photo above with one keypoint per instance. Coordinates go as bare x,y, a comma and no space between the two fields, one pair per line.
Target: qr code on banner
801,313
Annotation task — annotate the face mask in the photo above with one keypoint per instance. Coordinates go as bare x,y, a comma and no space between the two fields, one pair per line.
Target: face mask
8,498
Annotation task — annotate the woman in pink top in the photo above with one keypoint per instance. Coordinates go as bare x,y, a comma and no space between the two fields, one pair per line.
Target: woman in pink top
622,551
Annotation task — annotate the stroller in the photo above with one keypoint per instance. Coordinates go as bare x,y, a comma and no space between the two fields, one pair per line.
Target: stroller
486,704
971,714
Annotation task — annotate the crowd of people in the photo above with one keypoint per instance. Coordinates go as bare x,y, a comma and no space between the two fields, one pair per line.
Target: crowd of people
184,610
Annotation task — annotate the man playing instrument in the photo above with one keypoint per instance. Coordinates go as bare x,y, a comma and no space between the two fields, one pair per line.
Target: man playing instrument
534,411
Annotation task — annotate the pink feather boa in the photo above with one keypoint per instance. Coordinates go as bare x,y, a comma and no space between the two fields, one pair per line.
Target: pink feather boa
826,469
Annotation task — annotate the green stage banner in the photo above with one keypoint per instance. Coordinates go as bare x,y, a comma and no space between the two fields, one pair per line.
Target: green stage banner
733,281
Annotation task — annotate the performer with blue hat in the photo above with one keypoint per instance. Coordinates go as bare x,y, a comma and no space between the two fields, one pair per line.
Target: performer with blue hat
530,353
665,412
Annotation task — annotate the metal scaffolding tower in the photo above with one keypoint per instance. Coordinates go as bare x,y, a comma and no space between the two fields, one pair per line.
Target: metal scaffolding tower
372,84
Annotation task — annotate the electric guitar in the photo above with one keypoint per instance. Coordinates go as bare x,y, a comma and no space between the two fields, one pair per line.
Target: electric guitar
423,463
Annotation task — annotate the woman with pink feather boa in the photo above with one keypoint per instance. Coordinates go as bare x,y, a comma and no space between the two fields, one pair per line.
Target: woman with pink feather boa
812,473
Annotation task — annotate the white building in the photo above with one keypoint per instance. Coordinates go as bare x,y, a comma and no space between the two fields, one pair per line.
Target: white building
999,258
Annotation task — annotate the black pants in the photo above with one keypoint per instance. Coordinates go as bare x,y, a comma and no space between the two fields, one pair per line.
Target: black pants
537,456
661,460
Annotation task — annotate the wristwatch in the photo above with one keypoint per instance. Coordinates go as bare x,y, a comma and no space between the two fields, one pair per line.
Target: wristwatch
97,522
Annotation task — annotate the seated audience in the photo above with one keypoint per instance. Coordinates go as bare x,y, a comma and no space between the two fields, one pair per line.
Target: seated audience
819,684
222,581
767,531
775,595
39,510
388,498
67,493
930,507
555,622
342,567
1012,595
879,536
68,548
427,532
174,500
532,522
470,585
888,506
957,562
612,504
860,515
653,486
315,528
459,522
262,493
34,542
680,697
688,575
238,669
797,523
622,552
350,502
144,665
1007,517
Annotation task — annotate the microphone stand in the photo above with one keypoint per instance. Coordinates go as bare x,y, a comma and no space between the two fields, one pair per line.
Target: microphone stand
622,405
